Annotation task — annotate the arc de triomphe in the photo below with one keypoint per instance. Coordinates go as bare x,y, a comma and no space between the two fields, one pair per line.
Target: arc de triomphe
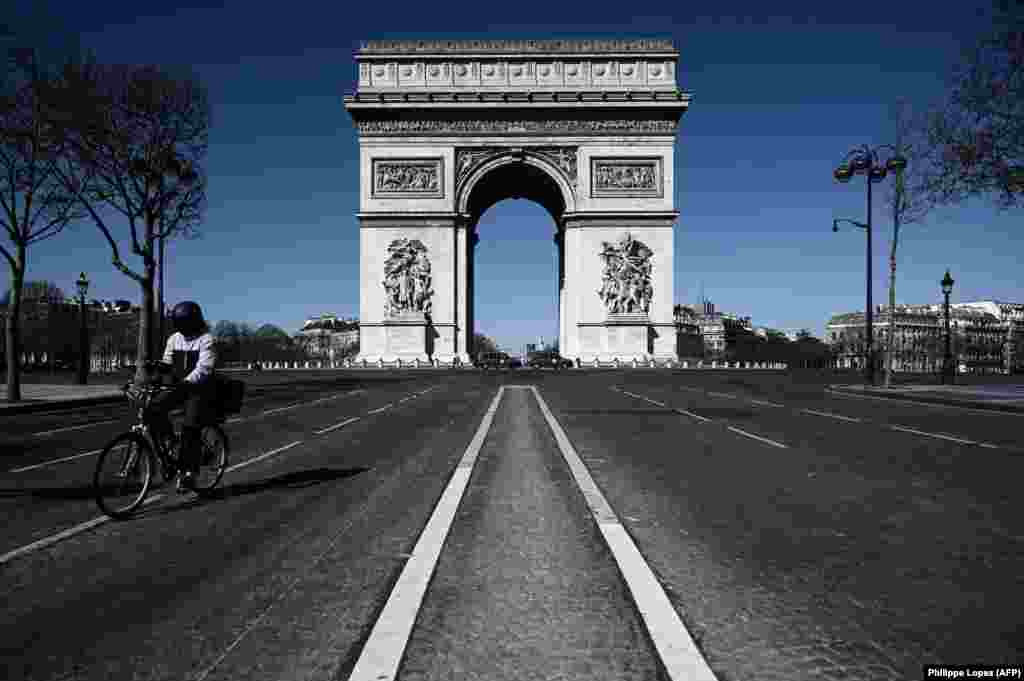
586,128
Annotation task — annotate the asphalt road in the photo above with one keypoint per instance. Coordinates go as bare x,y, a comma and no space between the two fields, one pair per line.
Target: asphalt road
795,533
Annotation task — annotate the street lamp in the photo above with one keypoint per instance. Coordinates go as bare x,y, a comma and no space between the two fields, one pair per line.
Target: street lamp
947,288
83,355
864,160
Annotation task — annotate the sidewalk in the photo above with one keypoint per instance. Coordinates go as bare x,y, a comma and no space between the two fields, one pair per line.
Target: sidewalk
49,397
1008,398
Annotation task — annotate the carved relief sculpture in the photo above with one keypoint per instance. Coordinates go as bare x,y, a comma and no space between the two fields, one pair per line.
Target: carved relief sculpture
407,177
564,158
626,282
626,177
407,280
466,159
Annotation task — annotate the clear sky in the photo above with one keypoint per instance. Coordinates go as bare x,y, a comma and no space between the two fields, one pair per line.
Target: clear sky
780,96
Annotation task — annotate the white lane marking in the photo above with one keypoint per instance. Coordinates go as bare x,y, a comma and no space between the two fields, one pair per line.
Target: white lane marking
690,413
773,443
231,420
99,520
765,404
292,406
253,460
936,435
338,425
832,416
274,411
69,532
379,658
661,404
380,409
87,425
725,395
673,643
52,461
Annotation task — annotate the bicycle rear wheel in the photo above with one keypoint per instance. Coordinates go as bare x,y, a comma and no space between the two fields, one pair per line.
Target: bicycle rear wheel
123,475
213,459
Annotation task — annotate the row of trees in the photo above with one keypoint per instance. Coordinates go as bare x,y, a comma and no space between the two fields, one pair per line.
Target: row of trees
241,342
119,146
746,346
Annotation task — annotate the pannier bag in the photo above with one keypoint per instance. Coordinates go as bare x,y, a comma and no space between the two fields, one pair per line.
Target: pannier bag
230,394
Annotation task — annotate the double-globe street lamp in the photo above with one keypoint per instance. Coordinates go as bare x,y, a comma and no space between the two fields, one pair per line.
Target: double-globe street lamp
947,362
864,160
83,354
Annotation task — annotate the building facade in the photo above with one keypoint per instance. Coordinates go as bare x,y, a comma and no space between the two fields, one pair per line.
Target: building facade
985,337
50,333
329,337
707,330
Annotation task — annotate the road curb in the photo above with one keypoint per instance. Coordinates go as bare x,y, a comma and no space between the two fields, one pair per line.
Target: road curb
911,397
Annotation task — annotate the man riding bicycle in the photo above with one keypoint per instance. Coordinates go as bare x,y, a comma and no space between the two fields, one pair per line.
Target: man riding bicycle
190,355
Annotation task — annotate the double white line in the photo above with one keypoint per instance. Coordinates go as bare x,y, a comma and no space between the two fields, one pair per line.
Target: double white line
382,654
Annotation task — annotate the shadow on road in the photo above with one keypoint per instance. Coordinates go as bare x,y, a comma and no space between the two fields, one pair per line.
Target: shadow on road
293,480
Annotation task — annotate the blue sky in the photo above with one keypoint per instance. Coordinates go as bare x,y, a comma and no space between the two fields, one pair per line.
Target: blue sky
779,98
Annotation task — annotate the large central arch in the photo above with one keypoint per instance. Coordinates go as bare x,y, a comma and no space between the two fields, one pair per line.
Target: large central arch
584,128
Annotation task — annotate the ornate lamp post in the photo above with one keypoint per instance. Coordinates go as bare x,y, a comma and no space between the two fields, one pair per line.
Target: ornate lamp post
947,365
83,355
864,160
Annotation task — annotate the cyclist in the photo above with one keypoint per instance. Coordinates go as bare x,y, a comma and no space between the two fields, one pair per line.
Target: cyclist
190,354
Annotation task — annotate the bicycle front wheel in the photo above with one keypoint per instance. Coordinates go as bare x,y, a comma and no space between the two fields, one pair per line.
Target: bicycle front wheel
213,459
123,475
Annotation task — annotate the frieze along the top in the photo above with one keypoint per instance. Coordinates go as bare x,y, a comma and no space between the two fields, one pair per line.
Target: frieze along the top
448,47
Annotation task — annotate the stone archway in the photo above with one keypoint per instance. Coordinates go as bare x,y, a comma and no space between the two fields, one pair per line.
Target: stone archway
585,128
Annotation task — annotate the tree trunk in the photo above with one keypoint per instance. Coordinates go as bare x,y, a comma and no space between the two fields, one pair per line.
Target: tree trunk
14,326
145,326
889,354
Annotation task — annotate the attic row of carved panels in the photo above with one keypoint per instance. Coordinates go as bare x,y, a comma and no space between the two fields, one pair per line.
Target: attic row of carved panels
576,73
517,97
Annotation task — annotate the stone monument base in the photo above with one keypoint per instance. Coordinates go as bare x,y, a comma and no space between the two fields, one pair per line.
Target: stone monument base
622,337
404,338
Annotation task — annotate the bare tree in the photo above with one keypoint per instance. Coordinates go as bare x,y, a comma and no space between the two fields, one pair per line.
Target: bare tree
978,136
40,183
143,131
908,198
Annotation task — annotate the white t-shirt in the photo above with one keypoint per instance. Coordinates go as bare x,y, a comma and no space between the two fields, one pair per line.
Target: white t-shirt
195,357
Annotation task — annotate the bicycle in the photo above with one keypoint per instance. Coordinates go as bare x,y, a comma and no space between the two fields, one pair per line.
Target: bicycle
124,471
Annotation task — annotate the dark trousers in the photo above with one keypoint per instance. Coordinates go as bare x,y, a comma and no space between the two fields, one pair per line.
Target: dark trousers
198,401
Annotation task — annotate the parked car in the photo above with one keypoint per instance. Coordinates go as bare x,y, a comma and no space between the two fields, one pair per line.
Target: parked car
548,359
494,360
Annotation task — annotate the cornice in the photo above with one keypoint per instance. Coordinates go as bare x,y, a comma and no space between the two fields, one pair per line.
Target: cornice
629,46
